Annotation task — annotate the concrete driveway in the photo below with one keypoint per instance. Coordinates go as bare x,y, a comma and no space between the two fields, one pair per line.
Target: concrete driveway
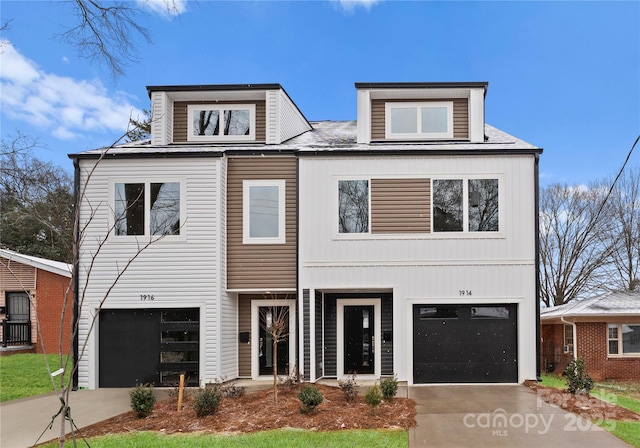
497,416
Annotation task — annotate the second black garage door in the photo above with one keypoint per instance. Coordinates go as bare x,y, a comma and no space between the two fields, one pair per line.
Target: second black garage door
465,343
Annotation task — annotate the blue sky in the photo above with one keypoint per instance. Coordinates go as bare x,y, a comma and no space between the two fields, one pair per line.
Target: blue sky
564,76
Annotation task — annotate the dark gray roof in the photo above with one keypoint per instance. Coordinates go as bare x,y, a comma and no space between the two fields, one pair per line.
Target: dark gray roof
621,303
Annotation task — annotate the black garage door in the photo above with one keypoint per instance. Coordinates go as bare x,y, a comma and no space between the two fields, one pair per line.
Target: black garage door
149,346
465,343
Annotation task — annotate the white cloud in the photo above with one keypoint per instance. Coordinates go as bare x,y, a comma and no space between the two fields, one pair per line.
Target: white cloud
66,107
351,5
165,8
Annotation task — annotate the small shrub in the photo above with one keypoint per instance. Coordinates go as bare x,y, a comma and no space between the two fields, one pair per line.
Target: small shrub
578,380
389,388
142,400
373,397
231,389
310,397
349,387
291,382
207,400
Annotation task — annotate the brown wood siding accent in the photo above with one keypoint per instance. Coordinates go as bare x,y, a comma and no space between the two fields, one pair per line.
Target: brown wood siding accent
16,276
244,325
180,118
400,205
460,117
260,266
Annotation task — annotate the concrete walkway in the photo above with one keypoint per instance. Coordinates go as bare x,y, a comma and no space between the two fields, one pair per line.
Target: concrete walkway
498,416
22,421
447,416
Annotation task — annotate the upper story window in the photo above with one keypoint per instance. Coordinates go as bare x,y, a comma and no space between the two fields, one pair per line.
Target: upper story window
353,206
224,122
421,120
264,212
147,208
465,205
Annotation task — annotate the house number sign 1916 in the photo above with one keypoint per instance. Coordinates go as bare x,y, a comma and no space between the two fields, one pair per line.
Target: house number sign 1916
465,292
145,297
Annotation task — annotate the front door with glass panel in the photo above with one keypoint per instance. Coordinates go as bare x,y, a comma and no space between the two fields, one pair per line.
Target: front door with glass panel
274,321
359,339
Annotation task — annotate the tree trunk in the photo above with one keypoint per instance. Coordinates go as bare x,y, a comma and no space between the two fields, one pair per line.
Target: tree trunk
275,371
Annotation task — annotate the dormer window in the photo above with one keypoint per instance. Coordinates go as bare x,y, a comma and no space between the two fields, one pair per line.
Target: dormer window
419,120
223,122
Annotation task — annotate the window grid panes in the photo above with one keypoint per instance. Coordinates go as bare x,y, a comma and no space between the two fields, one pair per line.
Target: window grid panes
224,121
129,209
428,120
353,206
264,212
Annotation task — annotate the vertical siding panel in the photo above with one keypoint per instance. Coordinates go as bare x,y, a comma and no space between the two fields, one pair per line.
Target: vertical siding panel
386,325
318,335
306,333
330,336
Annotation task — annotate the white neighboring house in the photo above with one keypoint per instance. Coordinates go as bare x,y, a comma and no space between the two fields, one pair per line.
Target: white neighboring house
403,242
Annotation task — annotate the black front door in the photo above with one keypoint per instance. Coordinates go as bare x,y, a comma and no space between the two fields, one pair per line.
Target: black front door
274,320
358,340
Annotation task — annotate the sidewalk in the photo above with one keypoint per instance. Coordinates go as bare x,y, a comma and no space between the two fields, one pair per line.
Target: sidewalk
22,421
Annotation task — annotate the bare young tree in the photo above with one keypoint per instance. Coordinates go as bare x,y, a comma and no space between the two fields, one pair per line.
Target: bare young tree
276,325
573,251
624,235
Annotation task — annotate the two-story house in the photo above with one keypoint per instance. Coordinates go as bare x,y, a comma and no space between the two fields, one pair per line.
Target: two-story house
400,243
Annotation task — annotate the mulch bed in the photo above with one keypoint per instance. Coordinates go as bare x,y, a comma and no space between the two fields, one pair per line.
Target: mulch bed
257,411
586,406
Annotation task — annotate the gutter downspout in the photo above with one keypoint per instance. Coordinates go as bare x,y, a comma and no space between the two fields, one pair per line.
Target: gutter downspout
76,268
575,336
536,180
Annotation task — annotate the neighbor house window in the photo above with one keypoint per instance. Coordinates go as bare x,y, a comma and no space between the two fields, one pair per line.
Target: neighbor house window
353,206
426,120
568,339
264,212
150,208
623,339
465,205
227,122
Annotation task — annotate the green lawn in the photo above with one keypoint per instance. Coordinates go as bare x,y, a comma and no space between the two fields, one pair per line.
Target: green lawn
282,438
25,375
622,394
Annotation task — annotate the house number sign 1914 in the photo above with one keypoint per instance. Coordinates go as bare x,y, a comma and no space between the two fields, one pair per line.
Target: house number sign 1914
465,292
145,297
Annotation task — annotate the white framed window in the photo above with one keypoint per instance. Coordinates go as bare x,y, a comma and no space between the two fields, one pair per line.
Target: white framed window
263,212
419,120
465,205
224,122
147,208
354,206
623,339
568,339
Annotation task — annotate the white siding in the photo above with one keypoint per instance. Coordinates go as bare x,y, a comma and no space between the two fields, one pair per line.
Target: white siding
179,271
425,268
272,122
291,121
158,118
228,301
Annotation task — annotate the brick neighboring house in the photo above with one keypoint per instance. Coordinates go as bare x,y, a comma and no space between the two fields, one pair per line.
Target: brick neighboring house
32,291
604,330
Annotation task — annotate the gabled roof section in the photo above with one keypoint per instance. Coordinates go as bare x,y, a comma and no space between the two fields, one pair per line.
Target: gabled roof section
617,303
55,267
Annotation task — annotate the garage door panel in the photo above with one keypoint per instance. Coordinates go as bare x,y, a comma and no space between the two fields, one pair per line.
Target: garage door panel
471,344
